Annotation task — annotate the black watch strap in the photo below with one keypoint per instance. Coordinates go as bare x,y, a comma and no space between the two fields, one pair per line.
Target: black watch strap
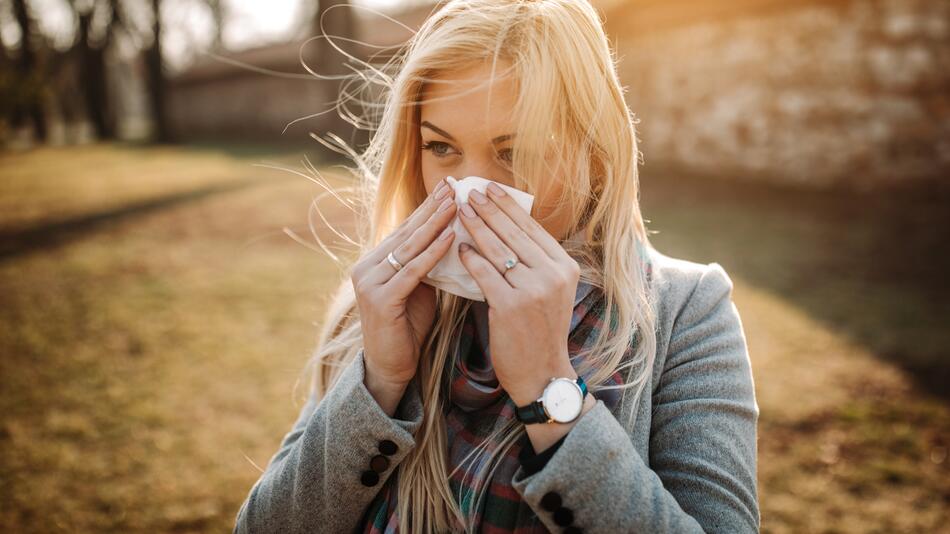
534,412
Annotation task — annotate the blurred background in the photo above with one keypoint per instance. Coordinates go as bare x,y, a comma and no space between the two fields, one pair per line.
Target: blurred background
161,278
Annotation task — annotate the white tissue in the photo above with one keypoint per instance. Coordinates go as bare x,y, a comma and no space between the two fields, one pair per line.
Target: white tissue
449,274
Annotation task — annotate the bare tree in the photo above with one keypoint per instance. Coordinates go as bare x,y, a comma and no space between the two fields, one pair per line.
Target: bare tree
91,51
218,15
29,102
339,26
155,77
91,47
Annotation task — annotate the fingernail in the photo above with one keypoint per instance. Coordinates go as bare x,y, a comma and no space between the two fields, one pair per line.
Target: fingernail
478,197
444,191
467,210
464,246
445,204
494,189
446,233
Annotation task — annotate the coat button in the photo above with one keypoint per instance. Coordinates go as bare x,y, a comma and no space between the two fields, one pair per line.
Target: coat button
379,463
369,478
563,516
573,530
388,447
551,501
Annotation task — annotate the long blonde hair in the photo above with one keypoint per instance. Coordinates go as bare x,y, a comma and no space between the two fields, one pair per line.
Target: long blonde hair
570,103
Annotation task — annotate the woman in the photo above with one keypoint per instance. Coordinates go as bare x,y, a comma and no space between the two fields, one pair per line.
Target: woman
423,412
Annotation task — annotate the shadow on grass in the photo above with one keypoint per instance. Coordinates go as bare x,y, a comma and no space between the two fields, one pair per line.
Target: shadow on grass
872,265
14,243
239,150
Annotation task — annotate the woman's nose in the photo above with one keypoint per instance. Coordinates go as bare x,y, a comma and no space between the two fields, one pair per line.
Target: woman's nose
481,165
461,175
490,172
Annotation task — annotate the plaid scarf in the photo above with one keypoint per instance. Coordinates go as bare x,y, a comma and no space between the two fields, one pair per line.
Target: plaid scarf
478,406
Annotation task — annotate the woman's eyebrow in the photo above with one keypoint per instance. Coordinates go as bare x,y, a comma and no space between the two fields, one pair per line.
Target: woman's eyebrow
437,130
445,134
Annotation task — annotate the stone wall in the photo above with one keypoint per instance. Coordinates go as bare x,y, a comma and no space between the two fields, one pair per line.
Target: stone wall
259,92
853,93
247,107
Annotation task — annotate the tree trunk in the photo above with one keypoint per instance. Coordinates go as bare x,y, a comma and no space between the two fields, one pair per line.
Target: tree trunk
155,78
338,23
31,107
218,14
93,79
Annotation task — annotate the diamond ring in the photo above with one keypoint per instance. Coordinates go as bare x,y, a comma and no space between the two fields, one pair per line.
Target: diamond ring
509,263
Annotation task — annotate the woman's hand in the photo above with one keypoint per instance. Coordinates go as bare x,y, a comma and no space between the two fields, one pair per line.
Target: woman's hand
396,310
530,305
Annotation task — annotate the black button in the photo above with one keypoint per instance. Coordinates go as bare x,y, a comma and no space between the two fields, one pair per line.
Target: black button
551,501
563,516
369,478
573,530
388,447
379,463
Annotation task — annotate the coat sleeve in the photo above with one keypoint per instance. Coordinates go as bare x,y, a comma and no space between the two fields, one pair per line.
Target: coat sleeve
701,475
321,478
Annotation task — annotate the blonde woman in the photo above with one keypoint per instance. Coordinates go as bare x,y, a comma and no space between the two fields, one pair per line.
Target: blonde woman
426,410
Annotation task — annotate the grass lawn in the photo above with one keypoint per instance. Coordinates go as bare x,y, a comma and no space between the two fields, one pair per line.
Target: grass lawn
844,303
155,318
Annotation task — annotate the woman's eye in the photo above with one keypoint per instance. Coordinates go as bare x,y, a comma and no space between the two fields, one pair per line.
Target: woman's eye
438,148
505,155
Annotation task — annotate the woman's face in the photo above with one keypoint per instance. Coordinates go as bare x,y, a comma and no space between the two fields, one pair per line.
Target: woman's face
460,138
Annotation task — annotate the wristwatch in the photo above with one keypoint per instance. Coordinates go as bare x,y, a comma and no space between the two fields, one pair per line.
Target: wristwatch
561,402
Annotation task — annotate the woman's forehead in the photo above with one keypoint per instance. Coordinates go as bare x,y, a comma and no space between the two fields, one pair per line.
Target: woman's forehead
468,99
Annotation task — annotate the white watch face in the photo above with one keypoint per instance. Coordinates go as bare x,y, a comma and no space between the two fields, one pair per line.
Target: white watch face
562,400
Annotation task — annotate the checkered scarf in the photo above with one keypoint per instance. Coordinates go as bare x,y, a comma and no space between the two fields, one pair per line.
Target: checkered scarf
478,407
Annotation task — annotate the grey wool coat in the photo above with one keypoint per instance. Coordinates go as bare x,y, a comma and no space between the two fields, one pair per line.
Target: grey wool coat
688,465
